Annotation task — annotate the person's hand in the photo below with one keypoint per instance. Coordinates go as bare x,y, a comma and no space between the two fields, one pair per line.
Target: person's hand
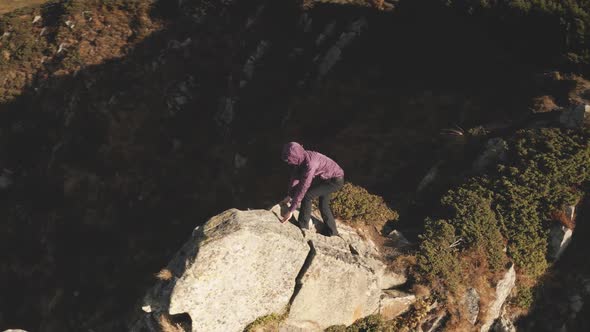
286,216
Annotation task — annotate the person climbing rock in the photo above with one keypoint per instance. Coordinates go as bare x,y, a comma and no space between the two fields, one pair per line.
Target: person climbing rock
313,175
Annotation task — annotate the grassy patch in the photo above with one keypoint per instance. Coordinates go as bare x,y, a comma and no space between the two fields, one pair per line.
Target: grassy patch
267,323
11,5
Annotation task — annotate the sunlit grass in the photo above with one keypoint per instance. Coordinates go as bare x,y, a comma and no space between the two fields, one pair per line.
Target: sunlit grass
10,5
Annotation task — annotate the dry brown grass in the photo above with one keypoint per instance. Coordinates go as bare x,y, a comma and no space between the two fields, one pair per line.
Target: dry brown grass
164,274
421,291
563,219
477,274
10,5
168,326
402,263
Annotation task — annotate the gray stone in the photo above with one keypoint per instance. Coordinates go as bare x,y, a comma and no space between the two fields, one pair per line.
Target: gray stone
394,303
253,19
471,304
559,238
242,265
305,22
399,240
328,31
503,289
344,273
250,64
429,177
335,52
503,324
576,117
225,114
434,320
576,303
5,181
237,267
495,151
570,211
240,161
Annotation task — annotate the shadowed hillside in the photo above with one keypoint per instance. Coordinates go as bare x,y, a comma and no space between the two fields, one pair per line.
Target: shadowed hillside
114,135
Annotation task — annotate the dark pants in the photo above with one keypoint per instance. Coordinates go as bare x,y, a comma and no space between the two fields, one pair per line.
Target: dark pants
321,189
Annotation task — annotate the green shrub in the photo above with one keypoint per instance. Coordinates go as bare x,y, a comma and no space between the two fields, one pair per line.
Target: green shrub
512,205
524,298
372,323
356,205
437,259
269,321
475,224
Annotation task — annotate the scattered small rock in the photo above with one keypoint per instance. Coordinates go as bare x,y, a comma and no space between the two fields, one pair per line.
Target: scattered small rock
61,48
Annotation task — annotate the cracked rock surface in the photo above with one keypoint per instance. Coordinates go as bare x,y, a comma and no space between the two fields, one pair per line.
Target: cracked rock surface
242,265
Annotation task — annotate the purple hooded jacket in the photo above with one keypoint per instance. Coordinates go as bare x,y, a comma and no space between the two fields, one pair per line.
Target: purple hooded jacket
309,165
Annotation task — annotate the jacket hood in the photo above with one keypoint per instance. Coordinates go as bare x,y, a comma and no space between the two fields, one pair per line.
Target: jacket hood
293,153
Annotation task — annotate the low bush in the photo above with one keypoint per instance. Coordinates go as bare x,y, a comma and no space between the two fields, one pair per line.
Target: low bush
356,205
372,323
267,323
505,215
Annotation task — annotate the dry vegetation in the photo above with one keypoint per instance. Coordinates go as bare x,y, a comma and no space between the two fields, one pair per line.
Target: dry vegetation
164,275
10,5
168,326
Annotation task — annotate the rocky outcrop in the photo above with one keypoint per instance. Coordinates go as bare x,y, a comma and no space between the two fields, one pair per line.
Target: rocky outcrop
434,319
429,177
398,239
503,324
395,303
242,265
495,151
471,304
560,236
503,289
335,52
576,117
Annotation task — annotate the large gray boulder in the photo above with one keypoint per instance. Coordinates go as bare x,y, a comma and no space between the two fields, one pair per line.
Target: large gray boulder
343,273
503,289
242,265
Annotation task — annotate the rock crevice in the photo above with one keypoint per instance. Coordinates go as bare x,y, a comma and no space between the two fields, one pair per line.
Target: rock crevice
242,265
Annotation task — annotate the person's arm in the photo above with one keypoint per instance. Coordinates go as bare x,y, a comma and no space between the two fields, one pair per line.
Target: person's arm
301,189
293,181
